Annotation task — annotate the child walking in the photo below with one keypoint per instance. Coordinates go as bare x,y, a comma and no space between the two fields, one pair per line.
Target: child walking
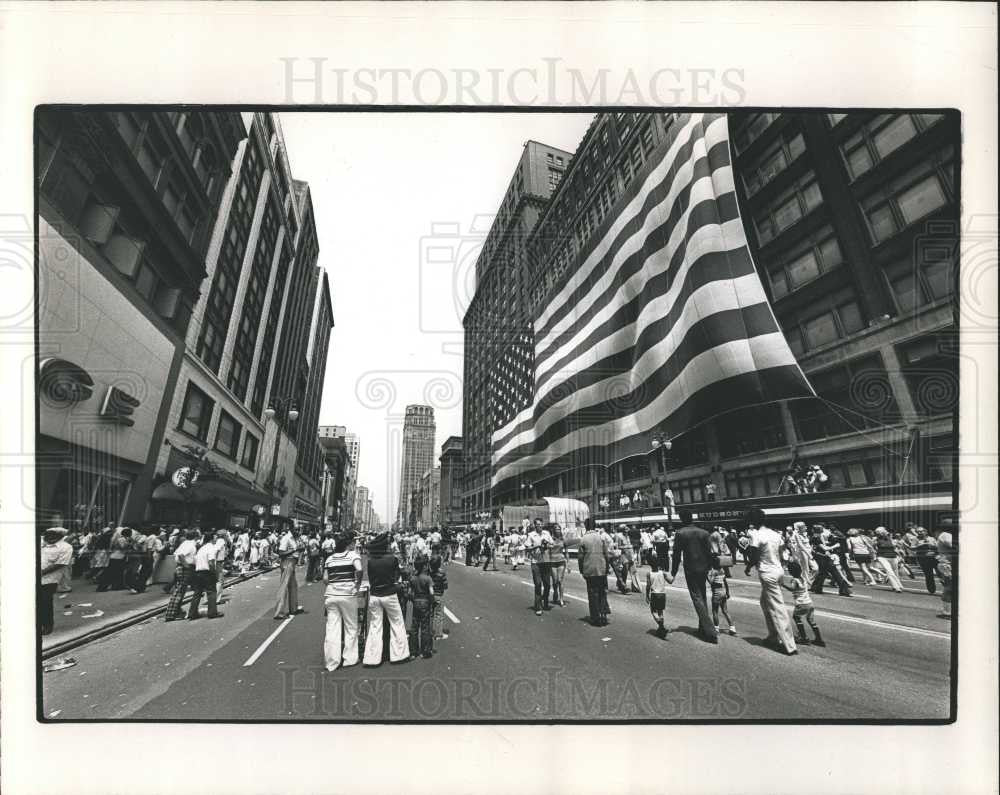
440,580
656,595
804,609
719,583
422,597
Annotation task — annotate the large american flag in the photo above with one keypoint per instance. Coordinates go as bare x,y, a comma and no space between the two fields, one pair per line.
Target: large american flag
664,325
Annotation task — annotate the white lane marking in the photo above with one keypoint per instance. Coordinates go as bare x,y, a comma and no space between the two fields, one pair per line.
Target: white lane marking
752,584
263,646
452,616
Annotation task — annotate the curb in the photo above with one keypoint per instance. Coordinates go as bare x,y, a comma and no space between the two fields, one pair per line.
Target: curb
133,619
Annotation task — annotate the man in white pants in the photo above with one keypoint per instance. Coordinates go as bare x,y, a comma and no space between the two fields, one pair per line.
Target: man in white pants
383,582
288,589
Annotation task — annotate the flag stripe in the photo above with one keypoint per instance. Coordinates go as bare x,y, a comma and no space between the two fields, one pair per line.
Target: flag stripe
663,186
664,324
596,395
607,449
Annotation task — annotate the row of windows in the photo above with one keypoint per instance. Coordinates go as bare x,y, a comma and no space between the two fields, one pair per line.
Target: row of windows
196,419
787,208
222,296
776,159
253,303
877,139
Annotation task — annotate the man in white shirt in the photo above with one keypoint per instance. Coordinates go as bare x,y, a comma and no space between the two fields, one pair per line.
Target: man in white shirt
205,566
184,556
57,557
661,548
765,553
288,589
222,541
537,545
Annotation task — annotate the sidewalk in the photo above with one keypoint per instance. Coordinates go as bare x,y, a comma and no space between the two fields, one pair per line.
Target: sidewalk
85,611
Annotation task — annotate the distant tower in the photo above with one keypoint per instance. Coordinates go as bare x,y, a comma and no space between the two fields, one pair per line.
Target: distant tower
418,454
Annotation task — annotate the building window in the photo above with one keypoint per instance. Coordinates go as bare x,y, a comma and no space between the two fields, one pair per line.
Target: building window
787,208
855,397
910,197
196,414
152,157
752,129
227,436
835,118
750,430
930,367
775,160
818,255
880,137
250,447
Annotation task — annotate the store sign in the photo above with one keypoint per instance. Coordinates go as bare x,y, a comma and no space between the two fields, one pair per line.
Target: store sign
185,477
64,382
721,515
118,406
259,509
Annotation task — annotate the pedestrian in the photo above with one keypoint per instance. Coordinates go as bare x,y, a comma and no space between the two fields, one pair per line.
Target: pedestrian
205,580
842,552
887,558
314,549
342,574
824,551
592,560
184,557
422,594
947,561
645,547
557,563
56,559
489,552
692,545
383,600
661,547
626,557
287,602
925,550
222,547
440,580
113,576
718,581
861,552
764,554
804,609
146,549
537,545
903,552
656,595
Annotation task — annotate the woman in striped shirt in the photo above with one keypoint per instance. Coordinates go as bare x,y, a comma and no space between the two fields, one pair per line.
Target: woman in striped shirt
342,574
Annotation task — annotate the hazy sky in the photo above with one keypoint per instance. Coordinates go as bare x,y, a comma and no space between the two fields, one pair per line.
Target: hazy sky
403,201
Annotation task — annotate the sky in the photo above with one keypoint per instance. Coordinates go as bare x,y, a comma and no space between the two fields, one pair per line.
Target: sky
403,202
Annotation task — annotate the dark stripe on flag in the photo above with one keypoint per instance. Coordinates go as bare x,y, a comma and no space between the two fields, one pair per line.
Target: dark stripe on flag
718,156
728,394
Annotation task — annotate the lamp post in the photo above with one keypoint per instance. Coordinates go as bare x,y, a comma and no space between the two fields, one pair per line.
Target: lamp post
278,406
662,444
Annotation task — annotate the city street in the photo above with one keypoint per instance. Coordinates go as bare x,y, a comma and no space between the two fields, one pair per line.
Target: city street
888,657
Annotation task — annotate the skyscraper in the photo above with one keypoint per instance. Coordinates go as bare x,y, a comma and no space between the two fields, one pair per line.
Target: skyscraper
418,454
498,340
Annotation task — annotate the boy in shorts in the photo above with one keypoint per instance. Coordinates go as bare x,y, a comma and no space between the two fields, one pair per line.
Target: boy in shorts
794,582
720,597
656,595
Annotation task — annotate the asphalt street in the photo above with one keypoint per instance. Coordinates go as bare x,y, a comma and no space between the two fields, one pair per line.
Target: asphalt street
887,657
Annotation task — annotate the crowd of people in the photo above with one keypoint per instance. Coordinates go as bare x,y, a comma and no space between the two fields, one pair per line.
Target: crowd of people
406,572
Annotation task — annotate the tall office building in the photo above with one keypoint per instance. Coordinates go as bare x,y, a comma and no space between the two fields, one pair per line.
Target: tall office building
498,341
127,203
852,220
418,455
246,348
451,480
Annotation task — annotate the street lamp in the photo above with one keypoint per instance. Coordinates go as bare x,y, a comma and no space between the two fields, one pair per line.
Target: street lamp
661,443
278,406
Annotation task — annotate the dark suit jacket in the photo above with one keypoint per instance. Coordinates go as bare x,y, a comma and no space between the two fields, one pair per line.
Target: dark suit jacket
694,544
